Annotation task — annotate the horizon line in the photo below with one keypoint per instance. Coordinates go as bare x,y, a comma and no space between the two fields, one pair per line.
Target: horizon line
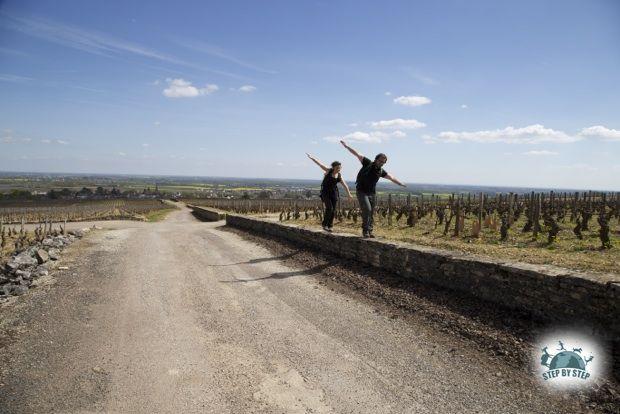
298,179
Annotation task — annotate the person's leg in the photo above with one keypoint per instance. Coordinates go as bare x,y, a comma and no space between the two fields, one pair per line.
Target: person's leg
372,201
362,198
334,203
329,212
325,211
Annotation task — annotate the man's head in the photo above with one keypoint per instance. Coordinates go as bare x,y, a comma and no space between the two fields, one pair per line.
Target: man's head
336,166
380,159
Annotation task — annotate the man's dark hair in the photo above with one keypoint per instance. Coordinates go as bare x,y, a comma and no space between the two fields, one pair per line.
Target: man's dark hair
379,155
335,164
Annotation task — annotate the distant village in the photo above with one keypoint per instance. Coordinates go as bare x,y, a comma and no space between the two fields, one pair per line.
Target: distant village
102,193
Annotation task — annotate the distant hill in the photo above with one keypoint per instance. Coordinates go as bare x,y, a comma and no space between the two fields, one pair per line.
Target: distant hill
9,180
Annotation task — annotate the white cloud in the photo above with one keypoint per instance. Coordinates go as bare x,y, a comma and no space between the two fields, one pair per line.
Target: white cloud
247,88
220,53
280,164
531,134
122,154
398,123
13,52
5,77
464,106
180,88
157,123
388,93
145,145
374,137
417,75
54,141
92,42
600,131
540,153
352,124
576,167
427,139
412,100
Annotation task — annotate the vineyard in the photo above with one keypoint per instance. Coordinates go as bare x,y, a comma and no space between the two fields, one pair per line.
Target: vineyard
50,218
60,211
575,230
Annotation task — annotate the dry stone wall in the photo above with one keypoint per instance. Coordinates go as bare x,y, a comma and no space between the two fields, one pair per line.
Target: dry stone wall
575,298
207,214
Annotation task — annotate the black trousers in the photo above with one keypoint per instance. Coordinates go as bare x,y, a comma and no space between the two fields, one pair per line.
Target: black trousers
330,201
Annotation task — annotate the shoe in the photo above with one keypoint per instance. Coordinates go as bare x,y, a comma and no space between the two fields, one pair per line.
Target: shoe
329,229
365,235
326,229
371,236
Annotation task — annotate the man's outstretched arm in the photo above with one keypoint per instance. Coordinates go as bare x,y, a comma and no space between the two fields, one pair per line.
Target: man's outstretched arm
352,151
394,180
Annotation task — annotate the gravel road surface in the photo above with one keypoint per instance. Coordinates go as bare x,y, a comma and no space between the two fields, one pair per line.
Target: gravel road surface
181,316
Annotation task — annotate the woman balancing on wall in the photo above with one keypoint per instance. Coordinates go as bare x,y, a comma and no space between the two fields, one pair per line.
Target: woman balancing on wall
329,191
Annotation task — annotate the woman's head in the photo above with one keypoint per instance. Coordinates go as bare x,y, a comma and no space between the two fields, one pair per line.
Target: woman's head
336,166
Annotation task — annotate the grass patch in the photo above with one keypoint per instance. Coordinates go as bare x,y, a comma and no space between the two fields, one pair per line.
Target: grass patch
158,215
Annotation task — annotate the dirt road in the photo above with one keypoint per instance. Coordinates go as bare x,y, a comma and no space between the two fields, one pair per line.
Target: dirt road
182,317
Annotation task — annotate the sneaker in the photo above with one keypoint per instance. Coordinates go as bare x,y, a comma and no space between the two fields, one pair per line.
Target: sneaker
330,229
326,229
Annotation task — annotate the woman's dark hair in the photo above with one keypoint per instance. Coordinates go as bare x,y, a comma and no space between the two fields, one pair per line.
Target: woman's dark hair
335,164
379,155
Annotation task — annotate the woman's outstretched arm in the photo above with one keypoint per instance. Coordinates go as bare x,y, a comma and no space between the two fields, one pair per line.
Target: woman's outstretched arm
346,187
352,151
317,162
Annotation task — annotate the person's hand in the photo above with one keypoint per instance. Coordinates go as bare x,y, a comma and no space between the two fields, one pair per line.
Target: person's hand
343,143
309,156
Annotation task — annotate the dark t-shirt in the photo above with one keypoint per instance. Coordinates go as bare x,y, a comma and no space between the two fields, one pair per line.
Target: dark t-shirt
368,176
329,186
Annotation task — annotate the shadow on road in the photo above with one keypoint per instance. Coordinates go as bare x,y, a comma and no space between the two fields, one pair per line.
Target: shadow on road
283,275
260,260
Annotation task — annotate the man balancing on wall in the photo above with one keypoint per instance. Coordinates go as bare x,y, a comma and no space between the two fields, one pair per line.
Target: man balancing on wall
365,184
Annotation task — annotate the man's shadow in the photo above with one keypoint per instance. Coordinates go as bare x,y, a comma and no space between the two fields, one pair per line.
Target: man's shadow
260,260
284,275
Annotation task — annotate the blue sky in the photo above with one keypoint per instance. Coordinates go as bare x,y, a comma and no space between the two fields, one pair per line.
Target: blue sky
522,93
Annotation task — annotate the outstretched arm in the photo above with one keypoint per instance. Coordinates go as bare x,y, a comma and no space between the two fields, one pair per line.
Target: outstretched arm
394,180
352,151
346,187
317,162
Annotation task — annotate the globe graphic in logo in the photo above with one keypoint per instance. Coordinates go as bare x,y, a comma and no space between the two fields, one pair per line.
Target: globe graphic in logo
567,359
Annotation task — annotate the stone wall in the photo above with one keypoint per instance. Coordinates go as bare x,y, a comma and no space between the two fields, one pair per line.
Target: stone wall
207,214
551,293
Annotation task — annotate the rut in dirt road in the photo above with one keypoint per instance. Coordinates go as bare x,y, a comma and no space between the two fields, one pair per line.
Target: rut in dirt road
180,316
